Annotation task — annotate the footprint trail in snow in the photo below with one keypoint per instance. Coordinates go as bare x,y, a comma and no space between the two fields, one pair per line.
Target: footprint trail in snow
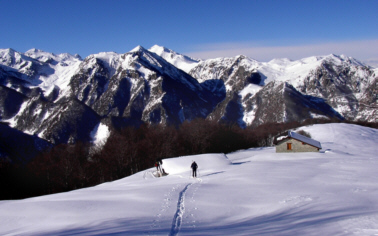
177,219
179,215
156,225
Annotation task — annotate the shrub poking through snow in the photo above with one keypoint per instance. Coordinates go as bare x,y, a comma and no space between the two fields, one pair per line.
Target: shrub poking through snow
304,133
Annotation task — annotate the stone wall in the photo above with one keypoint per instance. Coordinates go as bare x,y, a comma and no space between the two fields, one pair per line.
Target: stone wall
296,146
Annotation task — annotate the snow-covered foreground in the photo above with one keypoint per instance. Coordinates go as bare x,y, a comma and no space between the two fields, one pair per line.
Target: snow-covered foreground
250,192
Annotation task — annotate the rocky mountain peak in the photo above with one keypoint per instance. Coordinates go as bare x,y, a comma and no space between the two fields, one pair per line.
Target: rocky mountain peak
180,61
138,49
7,51
160,49
10,57
60,97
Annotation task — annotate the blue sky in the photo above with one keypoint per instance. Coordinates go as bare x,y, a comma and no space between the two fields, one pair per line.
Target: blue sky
262,30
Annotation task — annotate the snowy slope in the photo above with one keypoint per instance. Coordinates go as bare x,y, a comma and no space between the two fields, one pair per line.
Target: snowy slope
180,61
250,192
43,69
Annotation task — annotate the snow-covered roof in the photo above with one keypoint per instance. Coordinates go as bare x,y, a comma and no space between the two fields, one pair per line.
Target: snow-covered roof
305,139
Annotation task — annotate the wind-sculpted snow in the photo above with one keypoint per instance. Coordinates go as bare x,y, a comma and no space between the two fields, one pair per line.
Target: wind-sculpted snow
248,192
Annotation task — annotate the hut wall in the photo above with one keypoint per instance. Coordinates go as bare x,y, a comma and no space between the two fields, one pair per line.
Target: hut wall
296,146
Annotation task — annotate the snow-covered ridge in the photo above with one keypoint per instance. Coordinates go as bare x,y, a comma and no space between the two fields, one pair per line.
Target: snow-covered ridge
295,71
182,62
284,70
216,68
276,69
43,69
11,60
235,83
43,56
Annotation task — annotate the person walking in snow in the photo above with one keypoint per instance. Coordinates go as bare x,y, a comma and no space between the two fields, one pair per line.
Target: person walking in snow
194,167
158,164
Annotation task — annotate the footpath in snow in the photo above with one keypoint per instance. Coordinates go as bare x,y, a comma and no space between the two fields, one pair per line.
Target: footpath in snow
249,192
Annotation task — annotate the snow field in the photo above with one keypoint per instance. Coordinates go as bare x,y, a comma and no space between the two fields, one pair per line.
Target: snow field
249,192
100,134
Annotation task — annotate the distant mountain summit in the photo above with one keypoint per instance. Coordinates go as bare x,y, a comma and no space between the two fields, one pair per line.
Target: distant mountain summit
180,61
64,98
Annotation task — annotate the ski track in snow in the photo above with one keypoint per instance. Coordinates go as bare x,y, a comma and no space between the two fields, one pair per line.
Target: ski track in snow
164,207
177,219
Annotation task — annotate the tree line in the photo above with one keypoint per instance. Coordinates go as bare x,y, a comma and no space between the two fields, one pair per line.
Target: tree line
129,150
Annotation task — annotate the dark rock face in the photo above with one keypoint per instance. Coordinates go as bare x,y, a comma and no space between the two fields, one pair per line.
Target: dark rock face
181,103
300,107
115,99
268,104
236,75
90,83
72,121
280,102
344,87
368,103
10,102
164,94
31,117
234,112
183,97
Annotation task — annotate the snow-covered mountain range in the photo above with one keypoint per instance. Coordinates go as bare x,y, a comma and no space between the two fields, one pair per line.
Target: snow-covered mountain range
64,98
248,192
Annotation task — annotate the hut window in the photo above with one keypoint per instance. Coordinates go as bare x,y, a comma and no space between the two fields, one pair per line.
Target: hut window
288,146
303,143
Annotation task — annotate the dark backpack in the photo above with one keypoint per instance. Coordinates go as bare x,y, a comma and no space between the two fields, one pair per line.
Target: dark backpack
194,166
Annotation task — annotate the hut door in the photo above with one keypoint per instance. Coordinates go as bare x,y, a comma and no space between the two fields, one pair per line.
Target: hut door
288,146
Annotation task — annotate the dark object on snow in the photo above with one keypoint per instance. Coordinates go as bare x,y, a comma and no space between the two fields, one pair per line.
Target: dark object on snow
194,167
158,164
163,173
159,170
160,173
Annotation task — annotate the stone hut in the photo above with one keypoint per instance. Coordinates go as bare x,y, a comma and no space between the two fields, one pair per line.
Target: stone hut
294,142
